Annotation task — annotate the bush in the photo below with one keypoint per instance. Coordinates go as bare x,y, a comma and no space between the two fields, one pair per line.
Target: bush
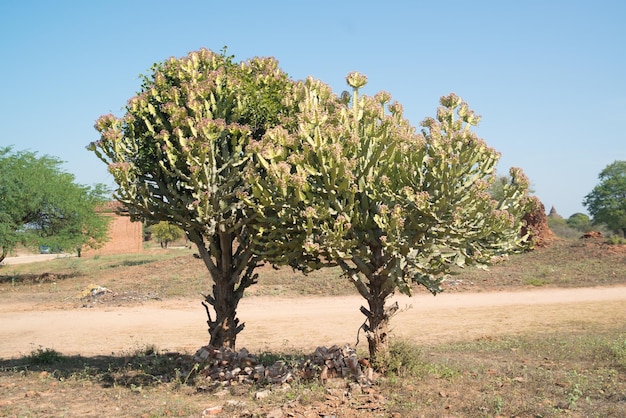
44,356
580,222
616,240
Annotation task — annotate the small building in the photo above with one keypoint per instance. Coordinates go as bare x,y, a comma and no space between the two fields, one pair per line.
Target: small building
124,236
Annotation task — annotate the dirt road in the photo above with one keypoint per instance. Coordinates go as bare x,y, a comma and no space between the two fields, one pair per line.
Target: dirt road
304,323
32,258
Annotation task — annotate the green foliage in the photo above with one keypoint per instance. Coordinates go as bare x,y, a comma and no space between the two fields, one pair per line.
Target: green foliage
40,204
178,153
616,240
497,190
497,186
579,221
561,229
617,349
607,201
164,233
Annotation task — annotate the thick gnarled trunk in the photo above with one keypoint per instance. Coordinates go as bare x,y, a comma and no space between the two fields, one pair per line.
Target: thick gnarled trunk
224,325
232,274
376,290
377,325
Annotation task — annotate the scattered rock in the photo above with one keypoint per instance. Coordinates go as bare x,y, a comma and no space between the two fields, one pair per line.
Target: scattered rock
355,388
262,394
212,410
275,413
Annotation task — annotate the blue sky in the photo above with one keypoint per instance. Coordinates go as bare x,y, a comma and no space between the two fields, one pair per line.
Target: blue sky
548,77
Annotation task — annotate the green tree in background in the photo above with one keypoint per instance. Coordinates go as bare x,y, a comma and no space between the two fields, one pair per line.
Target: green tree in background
580,222
355,185
497,189
164,232
177,156
606,203
41,205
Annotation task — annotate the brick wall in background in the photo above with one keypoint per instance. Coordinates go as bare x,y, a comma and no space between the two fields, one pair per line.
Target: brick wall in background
124,236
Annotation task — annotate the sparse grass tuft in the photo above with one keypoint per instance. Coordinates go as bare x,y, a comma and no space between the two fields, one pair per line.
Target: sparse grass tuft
405,359
535,281
617,350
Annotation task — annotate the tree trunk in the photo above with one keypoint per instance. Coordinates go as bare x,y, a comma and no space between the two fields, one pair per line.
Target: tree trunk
232,273
377,326
223,329
375,290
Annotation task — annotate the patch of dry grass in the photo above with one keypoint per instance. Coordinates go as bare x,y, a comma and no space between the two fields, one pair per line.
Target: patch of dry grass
165,273
565,263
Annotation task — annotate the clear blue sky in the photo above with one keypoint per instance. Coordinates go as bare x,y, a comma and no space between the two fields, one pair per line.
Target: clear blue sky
548,77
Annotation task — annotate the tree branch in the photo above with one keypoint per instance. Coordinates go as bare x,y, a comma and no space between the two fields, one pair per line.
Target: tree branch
353,276
197,239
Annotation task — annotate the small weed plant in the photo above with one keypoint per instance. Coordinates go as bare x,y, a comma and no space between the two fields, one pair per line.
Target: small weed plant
42,356
618,351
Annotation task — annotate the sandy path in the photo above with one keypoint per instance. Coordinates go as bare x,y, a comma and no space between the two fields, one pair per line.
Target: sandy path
278,323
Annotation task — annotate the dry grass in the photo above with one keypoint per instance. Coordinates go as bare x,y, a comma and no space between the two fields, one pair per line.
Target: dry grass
159,273
565,263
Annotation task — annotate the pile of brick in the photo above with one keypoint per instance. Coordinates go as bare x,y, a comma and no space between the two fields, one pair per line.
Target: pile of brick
592,235
228,366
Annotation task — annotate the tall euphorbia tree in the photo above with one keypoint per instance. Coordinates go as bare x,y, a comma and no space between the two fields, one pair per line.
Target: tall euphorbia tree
356,185
177,156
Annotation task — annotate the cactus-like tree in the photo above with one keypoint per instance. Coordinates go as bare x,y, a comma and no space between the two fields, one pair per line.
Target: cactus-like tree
356,185
177,156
